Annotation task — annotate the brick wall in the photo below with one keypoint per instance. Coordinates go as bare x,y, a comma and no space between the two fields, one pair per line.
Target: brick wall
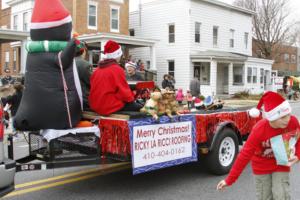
80,16
279,62
4,22
5,47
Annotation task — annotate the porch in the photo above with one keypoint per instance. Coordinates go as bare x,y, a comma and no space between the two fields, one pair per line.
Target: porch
223,73
97,41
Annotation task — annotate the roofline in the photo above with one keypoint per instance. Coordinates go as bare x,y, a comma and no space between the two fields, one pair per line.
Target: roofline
14,2
260,60
125,39
13,34
232,7
214,2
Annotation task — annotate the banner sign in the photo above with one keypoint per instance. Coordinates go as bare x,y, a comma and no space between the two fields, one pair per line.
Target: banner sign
166,143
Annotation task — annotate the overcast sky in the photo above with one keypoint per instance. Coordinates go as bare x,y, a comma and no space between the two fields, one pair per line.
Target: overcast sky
294,7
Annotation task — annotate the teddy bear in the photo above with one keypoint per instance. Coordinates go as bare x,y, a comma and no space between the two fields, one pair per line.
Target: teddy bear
168,104
151,105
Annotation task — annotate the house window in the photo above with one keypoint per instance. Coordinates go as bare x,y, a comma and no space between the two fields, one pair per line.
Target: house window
15,22
215,36
6,67
254,74
286,57
92,15
131,32
238,71
114,17
261,75
249,75
293,58
246,35
171,33
25,21
197,32
231,41
202,71
171,67
15,60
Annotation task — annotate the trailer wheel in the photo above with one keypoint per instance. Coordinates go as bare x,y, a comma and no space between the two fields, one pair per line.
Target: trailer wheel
224,152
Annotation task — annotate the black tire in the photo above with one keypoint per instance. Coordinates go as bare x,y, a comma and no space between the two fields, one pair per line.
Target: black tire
213,162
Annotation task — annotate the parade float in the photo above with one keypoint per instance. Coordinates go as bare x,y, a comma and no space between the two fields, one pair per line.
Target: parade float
60,135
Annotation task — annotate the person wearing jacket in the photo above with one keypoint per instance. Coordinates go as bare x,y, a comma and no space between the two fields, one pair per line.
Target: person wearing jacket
179,96
271,177
110,91
195,87
84,69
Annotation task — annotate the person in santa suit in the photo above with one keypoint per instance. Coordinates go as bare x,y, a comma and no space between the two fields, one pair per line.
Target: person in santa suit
110,91
271,179
52,98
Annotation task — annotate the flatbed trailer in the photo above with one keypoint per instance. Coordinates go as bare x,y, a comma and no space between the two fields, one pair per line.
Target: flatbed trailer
210,136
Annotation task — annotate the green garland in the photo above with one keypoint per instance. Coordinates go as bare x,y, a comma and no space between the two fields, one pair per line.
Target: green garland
48,46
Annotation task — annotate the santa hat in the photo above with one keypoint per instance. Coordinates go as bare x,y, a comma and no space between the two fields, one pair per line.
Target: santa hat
49,14
198,102
130,64
112,50
275,106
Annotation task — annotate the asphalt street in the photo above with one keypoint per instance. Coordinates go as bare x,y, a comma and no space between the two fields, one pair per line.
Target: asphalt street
190,181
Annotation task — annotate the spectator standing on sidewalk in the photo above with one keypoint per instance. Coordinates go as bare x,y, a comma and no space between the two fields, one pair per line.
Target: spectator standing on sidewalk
14,100
195,87
166,82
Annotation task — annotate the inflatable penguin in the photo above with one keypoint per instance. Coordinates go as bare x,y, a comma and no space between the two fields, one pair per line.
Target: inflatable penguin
52,98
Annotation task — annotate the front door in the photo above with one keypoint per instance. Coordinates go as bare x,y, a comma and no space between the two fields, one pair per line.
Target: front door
222,78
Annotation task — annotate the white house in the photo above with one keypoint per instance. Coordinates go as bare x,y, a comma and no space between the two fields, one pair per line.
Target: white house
207,39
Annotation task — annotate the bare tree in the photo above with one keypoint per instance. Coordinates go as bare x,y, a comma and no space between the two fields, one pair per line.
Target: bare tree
271,29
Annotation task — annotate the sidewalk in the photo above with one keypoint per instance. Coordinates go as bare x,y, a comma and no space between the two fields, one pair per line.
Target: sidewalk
235,103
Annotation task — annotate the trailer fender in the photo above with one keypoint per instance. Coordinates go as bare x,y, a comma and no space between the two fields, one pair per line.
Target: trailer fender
220,128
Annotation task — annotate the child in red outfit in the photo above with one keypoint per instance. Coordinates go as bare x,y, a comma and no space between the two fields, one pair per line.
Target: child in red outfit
110,91
272,180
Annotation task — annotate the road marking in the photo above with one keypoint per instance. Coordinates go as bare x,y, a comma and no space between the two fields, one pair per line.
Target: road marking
120,166
68,175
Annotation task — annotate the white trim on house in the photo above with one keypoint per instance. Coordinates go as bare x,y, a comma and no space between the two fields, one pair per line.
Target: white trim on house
124,39
118,9
92,3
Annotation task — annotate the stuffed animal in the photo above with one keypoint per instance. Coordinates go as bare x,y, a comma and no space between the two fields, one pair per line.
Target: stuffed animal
151,106
168,103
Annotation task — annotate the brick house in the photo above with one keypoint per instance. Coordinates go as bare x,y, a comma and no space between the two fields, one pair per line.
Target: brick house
286,59
95,20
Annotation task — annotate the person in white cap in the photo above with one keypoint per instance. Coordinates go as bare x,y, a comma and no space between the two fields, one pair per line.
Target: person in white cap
110,91
271,179
131,74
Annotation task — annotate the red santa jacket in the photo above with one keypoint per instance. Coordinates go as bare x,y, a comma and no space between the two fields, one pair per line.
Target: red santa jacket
109,88
258,150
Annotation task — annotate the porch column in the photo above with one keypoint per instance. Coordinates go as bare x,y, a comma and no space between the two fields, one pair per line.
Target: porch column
153,58
23,57
230,77
213,77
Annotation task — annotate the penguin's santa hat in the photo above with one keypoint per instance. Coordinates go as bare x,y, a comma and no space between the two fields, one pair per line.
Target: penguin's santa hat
274,106
49,14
